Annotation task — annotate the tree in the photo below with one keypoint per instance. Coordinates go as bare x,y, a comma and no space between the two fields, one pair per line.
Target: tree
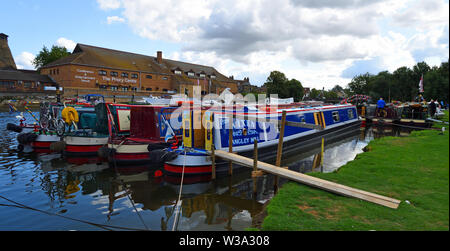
46,56
360,84
277,83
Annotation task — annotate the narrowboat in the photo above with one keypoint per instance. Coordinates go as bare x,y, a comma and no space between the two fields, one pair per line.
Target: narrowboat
93,130
192,158
149,126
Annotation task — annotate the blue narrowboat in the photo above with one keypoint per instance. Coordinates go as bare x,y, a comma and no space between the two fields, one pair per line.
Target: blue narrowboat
252,123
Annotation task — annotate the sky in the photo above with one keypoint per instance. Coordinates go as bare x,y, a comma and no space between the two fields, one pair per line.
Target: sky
321,43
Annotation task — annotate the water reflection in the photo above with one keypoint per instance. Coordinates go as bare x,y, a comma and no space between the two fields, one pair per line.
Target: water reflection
90,189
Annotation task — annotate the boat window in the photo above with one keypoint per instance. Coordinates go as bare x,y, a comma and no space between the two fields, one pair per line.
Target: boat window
336,116
350,114
302,119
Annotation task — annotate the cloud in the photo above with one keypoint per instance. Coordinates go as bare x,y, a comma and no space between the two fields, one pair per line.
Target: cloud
67,43
423,14
115,19
25,61
333,3
372,66
258,36
109,4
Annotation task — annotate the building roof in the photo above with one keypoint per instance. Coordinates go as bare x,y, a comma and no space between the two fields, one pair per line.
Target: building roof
24,75
107,58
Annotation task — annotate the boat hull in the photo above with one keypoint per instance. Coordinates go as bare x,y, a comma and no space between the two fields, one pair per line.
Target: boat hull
129,154
199,163
84,146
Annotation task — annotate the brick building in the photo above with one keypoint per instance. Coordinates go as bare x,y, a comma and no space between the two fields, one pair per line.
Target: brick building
107,71
14,81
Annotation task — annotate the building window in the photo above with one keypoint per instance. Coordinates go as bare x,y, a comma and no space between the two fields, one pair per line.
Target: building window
186,91
7,84
202,75
149,76
190,74
102,73
134,89
124,89
165,90
157,89
213,76
165,78
102,87
114,88
57,71
124,75
27,84
114,74
177,72
134,75
148,89
335,116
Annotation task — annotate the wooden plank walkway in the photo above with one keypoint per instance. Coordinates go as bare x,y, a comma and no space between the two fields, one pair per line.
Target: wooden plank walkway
309,180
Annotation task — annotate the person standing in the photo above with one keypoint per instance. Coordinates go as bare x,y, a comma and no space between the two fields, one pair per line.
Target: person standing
432,108
380,106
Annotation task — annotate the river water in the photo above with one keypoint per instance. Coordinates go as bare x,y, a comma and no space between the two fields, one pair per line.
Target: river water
41,191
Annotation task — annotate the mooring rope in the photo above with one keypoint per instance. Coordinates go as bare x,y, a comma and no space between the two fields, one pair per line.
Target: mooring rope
179,194
103,226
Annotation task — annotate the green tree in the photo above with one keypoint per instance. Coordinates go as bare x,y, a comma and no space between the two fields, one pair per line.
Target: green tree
294,89
278,83
360,84
402,80
46,56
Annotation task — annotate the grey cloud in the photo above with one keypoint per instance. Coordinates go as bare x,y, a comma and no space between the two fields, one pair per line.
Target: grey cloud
235,35
333,3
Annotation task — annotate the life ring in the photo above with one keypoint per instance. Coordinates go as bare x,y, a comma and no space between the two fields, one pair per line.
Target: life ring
70,115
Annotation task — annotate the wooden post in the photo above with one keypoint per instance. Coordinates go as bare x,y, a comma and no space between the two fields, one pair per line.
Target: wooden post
280,148
255,166
213,160
321,155
230,144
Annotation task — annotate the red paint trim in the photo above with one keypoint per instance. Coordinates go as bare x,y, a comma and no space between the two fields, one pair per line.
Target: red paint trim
132,156
41,144
82,149
187,169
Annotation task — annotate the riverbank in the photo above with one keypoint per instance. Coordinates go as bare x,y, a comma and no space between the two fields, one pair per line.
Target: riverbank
413,169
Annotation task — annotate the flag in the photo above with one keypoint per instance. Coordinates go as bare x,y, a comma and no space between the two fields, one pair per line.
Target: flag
169,131
421,84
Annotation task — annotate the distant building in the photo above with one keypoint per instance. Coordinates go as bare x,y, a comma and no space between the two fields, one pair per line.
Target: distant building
244,86
108,71
6,58
14,81
306,92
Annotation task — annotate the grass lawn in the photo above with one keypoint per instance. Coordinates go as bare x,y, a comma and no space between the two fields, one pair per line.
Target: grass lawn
413,169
